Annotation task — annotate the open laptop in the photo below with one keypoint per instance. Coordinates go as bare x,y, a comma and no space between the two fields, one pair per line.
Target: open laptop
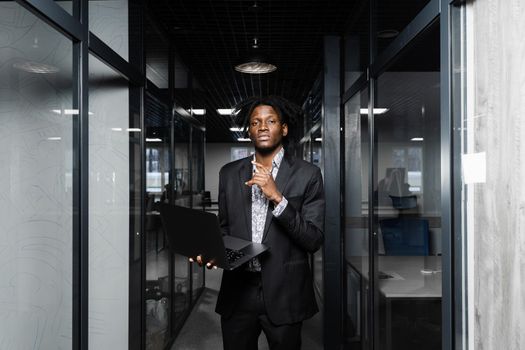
192,232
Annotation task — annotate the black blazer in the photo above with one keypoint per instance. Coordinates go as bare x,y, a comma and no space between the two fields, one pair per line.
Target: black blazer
285,271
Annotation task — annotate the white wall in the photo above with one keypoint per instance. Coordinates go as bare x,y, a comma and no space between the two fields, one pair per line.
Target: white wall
495,206
217,155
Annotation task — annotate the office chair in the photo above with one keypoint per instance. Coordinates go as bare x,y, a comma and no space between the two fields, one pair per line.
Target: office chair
405,236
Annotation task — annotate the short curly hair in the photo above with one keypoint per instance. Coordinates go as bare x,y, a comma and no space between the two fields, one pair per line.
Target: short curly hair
288,111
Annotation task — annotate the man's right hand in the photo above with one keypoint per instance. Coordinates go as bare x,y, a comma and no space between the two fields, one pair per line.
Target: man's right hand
209,264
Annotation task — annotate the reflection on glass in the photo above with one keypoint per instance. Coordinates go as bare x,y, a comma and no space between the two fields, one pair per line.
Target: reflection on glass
407,199
316,156
182,162
108,20
181,289
109,206
182,197
197,184
36,153
157,50
158,190
356,239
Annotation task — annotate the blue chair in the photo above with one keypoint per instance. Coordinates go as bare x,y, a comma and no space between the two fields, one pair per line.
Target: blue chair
404,202
405,236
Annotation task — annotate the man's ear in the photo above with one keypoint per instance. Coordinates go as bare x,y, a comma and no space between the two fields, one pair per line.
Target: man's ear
285,129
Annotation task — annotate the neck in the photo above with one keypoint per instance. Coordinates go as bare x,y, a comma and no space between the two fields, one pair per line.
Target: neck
265,158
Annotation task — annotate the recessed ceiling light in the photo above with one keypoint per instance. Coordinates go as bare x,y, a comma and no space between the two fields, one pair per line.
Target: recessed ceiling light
376,110
54,138
318,139
197,111
417,139
134,130
68,111
225,111
154,139
387,33
243,139
71,111
116,129
236,129
36,67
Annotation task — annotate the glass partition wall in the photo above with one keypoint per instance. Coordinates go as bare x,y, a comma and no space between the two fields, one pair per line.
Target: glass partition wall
37,148
181,196
76,221
198,139
356,221
174,162
71,213
395,241
109,204
158,296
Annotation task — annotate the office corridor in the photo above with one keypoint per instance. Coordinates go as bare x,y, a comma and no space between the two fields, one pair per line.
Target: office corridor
202,330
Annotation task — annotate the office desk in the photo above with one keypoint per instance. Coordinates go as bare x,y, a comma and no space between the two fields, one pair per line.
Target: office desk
408,282
414,284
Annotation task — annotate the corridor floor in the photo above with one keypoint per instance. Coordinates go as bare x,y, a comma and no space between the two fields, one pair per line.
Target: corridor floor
202,330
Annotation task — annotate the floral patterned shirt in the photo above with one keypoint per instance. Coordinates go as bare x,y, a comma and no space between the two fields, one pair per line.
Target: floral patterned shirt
260,208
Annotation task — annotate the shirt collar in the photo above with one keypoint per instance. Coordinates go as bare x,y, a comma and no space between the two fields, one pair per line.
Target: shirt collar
277,159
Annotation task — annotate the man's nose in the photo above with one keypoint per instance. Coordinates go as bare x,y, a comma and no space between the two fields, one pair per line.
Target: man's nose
263,126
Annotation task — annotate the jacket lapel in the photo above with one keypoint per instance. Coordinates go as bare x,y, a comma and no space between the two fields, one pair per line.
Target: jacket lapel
245,174
283,175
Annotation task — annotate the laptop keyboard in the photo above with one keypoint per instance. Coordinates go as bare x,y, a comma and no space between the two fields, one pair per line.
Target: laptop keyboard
233,255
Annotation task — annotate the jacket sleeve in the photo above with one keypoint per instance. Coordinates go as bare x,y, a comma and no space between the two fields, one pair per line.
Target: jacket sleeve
223,208
306,228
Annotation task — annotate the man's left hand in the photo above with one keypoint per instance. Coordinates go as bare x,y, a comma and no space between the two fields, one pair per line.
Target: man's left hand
264,179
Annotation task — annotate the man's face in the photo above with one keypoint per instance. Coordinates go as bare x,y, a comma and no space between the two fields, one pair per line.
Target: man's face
265,129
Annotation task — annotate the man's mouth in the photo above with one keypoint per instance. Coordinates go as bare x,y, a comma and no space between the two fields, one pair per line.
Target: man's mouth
263,137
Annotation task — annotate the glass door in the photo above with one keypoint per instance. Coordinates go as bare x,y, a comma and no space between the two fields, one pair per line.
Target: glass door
407,199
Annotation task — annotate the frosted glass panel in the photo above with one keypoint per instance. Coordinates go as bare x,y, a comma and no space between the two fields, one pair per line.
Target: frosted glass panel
109,207
67,5
36,157
108,20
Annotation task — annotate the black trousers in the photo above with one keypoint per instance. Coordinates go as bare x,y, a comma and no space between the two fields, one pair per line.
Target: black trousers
241,330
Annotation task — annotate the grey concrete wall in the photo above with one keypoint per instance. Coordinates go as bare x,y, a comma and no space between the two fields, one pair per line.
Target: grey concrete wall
495,207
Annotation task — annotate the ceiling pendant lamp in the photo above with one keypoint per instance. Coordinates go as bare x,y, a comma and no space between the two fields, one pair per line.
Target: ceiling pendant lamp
256,63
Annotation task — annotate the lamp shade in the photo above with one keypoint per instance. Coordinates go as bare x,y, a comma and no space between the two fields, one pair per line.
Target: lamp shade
255,64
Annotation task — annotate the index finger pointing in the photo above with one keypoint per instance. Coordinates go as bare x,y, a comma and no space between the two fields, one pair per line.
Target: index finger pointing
260,167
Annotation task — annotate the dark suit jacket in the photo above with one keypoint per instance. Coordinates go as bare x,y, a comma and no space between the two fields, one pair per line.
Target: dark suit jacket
285,271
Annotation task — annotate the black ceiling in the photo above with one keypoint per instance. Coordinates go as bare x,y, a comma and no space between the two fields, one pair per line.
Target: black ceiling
211,36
